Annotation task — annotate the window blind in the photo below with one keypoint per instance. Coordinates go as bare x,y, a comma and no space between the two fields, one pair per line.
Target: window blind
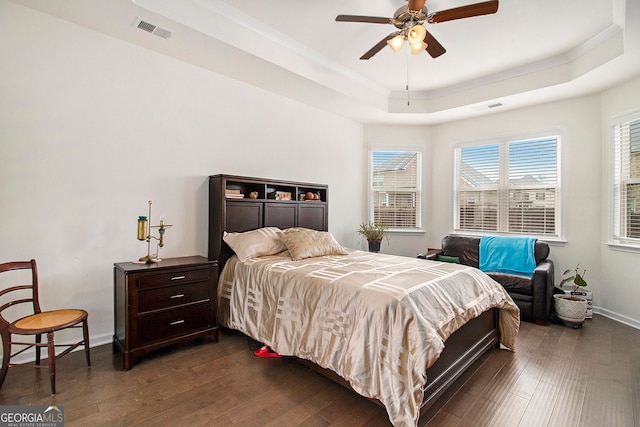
626,207
395,189
508,187
478,170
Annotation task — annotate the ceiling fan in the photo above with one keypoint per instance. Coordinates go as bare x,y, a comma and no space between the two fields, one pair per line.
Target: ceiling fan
409,21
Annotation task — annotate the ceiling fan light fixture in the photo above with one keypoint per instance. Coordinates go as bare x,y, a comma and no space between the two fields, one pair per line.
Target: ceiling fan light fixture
396,43
416,34
416,48
410,20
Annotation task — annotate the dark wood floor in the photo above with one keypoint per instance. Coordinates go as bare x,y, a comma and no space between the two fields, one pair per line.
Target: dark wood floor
558,377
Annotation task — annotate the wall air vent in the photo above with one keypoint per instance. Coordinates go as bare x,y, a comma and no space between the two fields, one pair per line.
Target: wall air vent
153,29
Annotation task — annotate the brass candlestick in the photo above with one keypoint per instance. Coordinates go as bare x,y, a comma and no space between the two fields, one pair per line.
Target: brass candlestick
144,233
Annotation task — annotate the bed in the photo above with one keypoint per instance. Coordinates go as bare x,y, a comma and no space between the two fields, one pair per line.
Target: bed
394,329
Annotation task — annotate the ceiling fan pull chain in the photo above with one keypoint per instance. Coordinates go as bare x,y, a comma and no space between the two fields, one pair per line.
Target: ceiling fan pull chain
408,73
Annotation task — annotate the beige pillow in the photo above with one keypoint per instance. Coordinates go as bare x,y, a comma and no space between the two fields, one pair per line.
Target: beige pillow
255,243
306,243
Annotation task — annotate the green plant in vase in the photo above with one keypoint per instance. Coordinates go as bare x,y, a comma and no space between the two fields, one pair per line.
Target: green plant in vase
574,276
374,233
572,308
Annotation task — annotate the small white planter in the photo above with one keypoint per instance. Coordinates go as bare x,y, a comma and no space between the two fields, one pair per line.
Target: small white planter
584,293
570,308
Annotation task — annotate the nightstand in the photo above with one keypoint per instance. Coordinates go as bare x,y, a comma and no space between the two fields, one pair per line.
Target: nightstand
164,303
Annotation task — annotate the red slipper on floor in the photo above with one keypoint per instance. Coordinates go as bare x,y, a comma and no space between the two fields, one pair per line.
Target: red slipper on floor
266,352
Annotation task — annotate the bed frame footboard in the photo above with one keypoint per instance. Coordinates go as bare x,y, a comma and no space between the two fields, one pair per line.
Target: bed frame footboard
462,349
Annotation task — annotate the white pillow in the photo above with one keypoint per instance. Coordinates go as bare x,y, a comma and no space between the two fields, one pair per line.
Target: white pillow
306,243
255,243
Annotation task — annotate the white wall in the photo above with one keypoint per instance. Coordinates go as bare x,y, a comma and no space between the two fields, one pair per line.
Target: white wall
585,146
612,274
619,271
403,137
91,128
578,120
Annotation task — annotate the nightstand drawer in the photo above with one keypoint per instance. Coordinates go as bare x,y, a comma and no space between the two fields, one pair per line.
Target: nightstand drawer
173,278
171,323
171,296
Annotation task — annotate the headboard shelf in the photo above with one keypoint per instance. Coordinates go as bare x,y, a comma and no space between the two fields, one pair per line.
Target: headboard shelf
277,203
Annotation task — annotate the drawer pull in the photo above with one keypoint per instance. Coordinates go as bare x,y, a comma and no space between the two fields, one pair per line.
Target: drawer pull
176,296
177,322
178,277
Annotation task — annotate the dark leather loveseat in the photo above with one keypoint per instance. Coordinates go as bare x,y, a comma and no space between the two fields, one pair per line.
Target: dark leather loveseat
534,296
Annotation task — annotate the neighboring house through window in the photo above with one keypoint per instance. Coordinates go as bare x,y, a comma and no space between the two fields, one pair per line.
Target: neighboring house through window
626,180
509,186
395,188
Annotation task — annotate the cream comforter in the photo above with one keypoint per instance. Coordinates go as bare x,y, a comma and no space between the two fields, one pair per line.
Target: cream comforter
377,320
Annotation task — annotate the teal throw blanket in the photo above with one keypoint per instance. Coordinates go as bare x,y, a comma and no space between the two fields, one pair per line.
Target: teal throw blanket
512,255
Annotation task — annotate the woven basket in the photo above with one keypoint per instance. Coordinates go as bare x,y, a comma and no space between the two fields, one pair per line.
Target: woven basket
570,308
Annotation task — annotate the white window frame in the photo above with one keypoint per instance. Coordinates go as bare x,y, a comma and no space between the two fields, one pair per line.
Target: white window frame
419,150
502,188
619,176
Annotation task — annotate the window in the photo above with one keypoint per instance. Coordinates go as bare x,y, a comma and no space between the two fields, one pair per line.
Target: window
509,187
626,180
395,188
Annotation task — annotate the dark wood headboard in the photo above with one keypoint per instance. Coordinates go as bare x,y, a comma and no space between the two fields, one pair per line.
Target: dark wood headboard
275,203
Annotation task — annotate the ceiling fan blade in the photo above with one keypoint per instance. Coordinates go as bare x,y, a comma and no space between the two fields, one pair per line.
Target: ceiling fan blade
415,4
434,48
485,8
368,19
378,47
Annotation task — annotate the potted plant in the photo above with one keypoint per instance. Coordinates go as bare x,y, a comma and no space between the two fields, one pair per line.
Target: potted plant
570,307
374,233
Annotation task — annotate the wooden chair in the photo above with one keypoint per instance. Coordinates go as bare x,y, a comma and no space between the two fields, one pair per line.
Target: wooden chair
39,323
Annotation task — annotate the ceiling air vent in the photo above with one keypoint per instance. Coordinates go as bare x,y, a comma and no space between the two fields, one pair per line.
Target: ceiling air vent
484,107
153,29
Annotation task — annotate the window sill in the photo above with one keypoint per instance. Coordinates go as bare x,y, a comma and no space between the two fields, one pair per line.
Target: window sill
624,247
552,241
405,231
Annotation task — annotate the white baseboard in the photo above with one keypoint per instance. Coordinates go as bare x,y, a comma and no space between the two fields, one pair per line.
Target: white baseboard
101,340
634,323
